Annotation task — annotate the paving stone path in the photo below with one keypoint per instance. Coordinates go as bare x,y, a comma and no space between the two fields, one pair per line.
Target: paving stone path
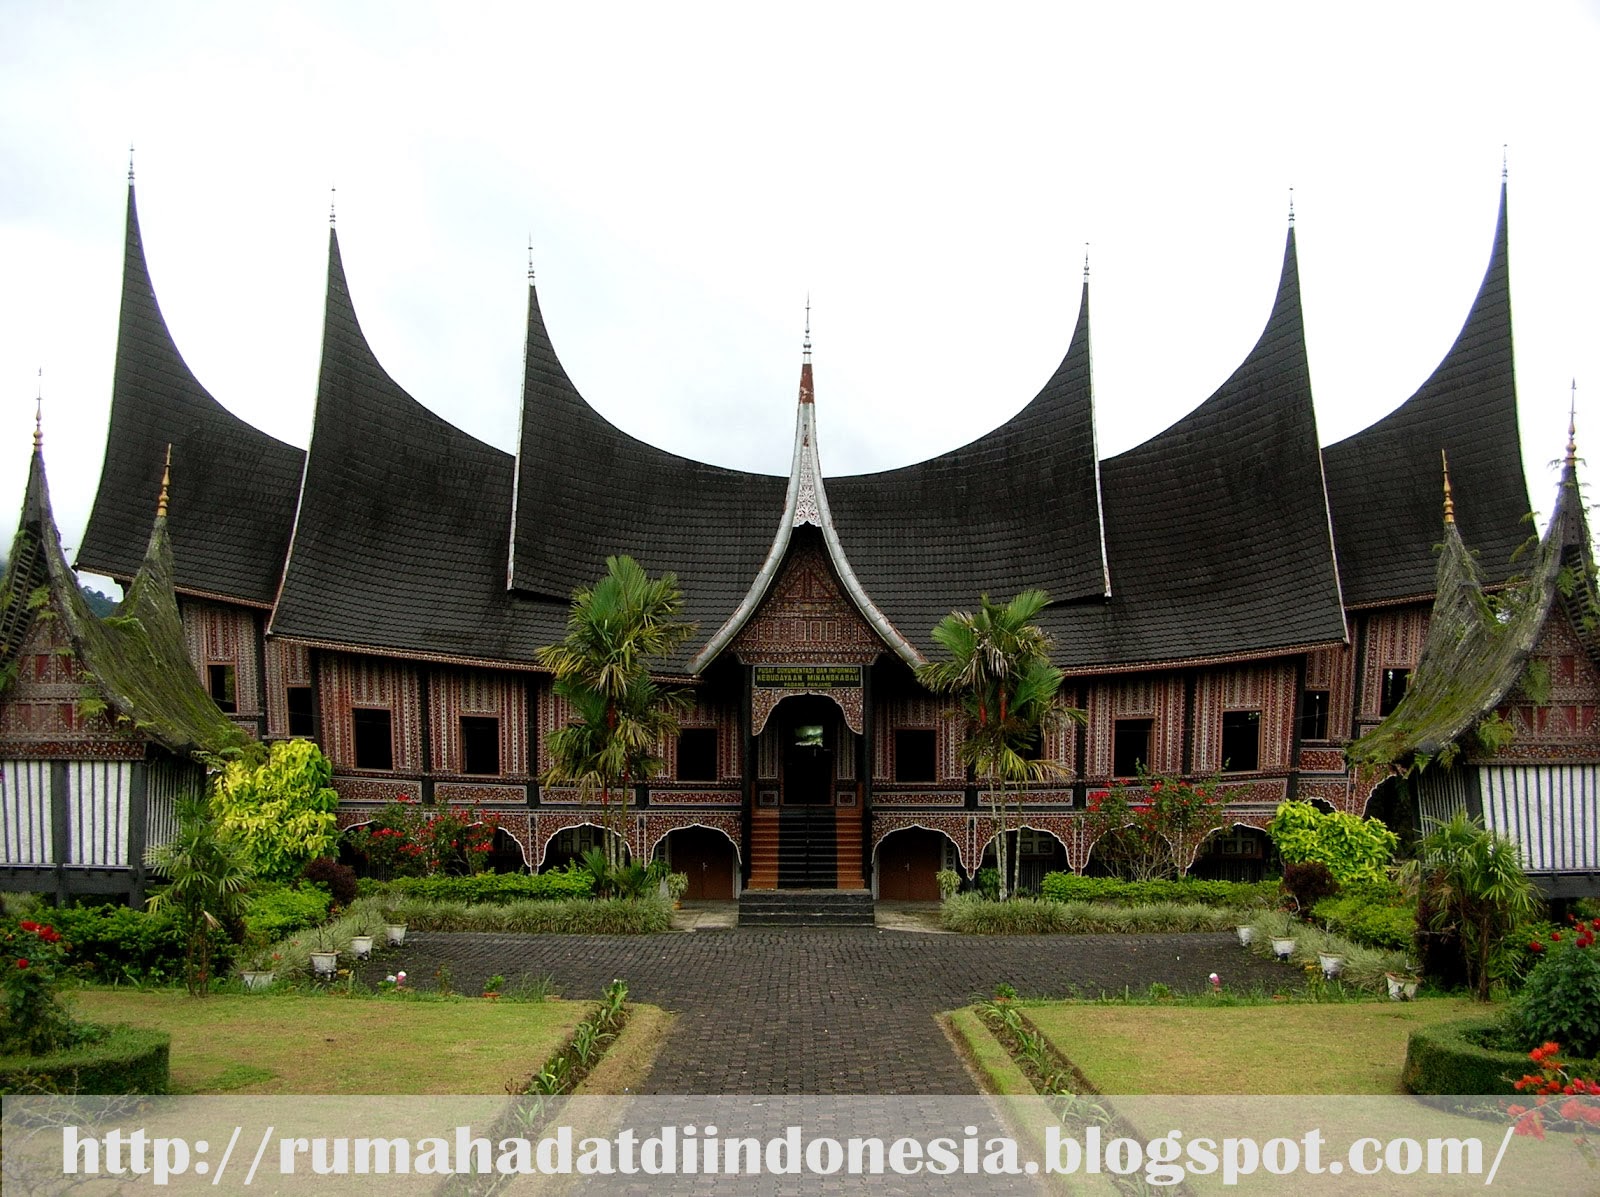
825,1010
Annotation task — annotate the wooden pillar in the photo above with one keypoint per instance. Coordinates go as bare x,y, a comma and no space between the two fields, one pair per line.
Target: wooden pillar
748,798
60,825
865,763
138,831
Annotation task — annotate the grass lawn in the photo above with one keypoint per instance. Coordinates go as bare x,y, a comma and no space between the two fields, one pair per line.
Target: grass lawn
1354,1047
266,1043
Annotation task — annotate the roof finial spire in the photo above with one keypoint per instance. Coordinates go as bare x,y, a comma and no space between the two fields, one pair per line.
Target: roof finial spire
530,259
1449,503
1503,147
166,483
38,414
1085,261
806,347
1572,426
333,197
130,164
1291,207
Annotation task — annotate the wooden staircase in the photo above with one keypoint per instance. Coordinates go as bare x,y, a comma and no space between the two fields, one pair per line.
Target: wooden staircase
763,848
770,856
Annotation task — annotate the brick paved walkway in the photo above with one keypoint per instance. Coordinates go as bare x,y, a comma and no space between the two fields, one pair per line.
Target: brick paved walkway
821,1010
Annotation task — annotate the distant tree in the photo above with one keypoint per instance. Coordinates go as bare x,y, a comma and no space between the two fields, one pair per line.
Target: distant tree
616,630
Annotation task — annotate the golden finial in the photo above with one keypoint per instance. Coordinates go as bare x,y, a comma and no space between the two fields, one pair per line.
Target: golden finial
38,414
166,482
333,198
1572,426
1449,503
806,346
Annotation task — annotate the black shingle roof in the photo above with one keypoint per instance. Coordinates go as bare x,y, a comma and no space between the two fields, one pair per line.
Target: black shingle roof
400,542
586,491
1217,528
1383,482
233,486
1016,508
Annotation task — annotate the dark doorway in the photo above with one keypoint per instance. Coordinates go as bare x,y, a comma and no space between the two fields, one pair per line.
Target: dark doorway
706,858
908,865
808,853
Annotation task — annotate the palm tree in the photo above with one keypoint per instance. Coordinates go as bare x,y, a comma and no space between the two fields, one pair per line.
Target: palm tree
999,669
615,630
206,884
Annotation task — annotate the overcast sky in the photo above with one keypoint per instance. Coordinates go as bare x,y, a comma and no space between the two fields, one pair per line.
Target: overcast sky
930,174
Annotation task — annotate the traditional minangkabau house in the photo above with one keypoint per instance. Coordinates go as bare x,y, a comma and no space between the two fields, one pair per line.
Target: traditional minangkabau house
1228,596
103,722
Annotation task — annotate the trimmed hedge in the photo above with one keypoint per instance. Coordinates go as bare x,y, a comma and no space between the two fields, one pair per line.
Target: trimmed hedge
118,944
278,910
1376,924
973,914
498,888
1450,1057
1070,887
127,1060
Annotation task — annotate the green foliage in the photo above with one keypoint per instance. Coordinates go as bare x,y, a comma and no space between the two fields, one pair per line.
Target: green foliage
405,839
206,883
1493,733
998,668
1070,887
1307,882
987,882
123,1060
1154,828
973,914
1535,681
1377,923
32,1020
277,910
949,882
1453,1057
1365,967
616,631
279,812
494,888
121,945
1475,889
90,704
1561,1000
1354,849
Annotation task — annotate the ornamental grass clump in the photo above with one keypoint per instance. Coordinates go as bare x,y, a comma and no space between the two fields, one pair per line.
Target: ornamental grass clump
1364,967
972,914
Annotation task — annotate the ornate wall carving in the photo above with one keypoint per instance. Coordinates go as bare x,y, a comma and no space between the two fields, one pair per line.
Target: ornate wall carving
1157,697
658,827
39,715
453,693
1392,640
288,664
218,634
1334,670
350,682
1268,688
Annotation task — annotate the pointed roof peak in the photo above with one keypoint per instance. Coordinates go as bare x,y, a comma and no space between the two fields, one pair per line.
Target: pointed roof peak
38,415
805,348
530,259
1086,263
1572,426
807,392
130,165
166,485
1503,171
1449,502
333,201
1291,207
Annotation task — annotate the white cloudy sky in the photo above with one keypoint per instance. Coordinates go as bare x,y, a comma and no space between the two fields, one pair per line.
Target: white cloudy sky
688,172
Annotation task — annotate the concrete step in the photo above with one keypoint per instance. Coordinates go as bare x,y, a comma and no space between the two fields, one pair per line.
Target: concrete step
806,907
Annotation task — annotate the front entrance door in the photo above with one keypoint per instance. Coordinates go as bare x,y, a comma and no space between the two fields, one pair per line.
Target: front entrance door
807,848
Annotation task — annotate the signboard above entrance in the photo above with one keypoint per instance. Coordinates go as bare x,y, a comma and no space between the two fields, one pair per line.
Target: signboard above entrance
806,677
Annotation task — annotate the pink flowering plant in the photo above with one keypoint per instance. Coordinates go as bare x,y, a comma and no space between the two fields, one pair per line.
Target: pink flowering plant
1153,827
407,839
35,1022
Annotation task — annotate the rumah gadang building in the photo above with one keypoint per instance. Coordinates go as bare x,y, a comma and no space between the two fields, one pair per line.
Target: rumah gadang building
1229,596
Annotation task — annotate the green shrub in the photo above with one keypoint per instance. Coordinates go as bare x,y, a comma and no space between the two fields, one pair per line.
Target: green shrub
1353,848
567,916
1456,1057
279,910
120,945
1561,1001
279,812
492,887
1383,924
1070,887
125,1060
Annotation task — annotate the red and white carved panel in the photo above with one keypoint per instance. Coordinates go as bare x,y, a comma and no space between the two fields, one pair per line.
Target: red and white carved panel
924,712
218,634
1268,688
453,693
288,664
1334,670
350,682
1392,640
1157,697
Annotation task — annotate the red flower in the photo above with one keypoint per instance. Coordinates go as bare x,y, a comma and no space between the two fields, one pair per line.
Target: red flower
22,963
1555,935
1535,946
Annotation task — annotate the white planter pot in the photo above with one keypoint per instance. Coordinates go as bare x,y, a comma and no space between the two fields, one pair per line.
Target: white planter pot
257,979
361,946
396,933
1282,948
1401,989
324,964
1247,933
1332,964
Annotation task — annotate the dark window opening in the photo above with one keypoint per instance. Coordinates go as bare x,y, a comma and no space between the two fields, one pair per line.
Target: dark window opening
1130,746
1395,682
1314,715
374,736
480,744
222,681
1241,741
916,753
302,714
697,754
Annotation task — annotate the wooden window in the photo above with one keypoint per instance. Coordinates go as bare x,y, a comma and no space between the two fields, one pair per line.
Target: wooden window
302,712
1241,741
1130,746
916,754
1395,682
1314,715
374,737
697,754
222,682
480,744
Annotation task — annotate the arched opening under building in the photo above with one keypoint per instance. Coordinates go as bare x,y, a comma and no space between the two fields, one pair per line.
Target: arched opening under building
907,864
505,854
1035,853
707,858
569,844
1234,853
1395,803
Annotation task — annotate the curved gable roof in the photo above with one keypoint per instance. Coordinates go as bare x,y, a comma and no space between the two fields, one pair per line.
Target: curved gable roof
1217,528
399,542
234,486
1381,481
